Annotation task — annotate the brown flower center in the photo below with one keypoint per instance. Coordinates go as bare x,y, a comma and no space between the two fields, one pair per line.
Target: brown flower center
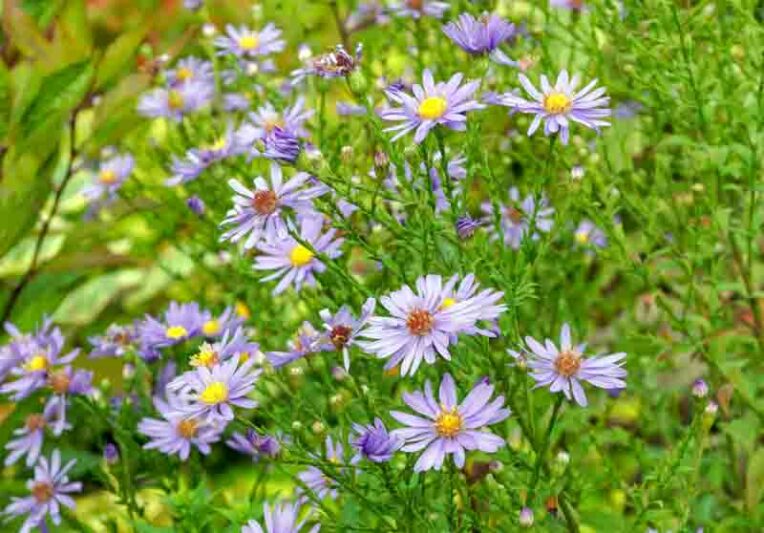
419,322
42,491
339,336
415,4
35,422
567,363
515,215
187,428
59,381
264,202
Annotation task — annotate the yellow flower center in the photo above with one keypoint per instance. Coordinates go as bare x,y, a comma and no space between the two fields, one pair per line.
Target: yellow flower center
187,428
207,356
432,107
582,237
184,74
557,103
248,42
37,363
107,177
567,363
211,327
175,100
270,124
176,332
218,145
447,302
448,423
300,256
242,310
244,357
216,392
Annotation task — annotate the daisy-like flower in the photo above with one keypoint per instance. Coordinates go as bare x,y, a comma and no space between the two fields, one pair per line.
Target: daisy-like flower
318,482
417,8
260,213
587,233
233,342
563,369
181,322
342,328
422,326
262,121
559,104
448,427
197,160
373,442
283,518
63,383
483,303
245,42
294,263
175,102
190,69
177,431
24,345
29,438
109,179
254,444
307,342
520,219
211,393
117,341
442,103
482,35
50,488
219,326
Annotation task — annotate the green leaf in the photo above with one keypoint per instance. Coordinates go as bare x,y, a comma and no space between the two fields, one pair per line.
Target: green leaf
754,480
119,55
84,303
5,102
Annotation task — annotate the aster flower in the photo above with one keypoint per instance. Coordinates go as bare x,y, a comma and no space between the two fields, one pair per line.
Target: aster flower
294,263
466,226
218,326
261,213
196,205
417,8
281,145
197,160
442,103
50,488
281,519
63,383
308,341
564,369
374,443
482,35
320,484
254,445
366,14
212,393
181,322
262,121
588,234
245,42
24,345
191,69
116,342
423,324
110,177
236,102
177,431
233,342
519,219
447,427
29,438
177,101
342,328
483,303
560,104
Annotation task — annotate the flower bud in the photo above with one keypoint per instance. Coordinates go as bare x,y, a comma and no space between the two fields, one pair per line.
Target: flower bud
358,82
318,427
699,388
526,517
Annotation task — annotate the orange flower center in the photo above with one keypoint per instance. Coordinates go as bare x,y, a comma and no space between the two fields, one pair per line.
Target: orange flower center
59,381
567,363
419,322
339,336
34,422
264,202
515,215
187,428
42,491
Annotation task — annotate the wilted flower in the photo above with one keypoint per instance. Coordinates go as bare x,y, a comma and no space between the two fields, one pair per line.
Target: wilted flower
448,427
373,442
342,328
521,219
245,42
110,177
557,105
335,64
442,103
564,369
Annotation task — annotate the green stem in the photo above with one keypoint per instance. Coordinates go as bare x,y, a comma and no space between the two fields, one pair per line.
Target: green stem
545,445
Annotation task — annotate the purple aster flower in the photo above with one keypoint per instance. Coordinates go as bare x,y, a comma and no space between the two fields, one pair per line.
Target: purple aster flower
196,205
116,342
525,518
281,519
63,383
560,104
233,342
374,443
49,490
197,160
466,226
111,453
483,303
181,322
281,145
221,325
245,42
564,369
342,328
367,14
318,482
587,234
110,178
308,342
28,439
177,431
191,69
176,101
423,324
260,214
263,121
24,345
211,393
235,102
448,427
699,388
444,103
294,263
418,8
254,444
521,219
482,35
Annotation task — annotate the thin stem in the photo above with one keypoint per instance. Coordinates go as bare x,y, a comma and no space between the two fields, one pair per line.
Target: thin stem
545,445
